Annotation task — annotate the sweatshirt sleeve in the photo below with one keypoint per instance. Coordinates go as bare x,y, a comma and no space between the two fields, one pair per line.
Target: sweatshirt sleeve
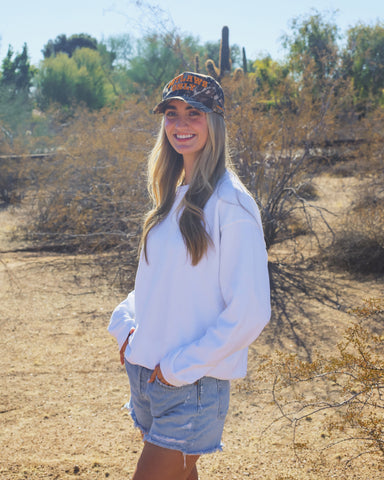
244,284
123,319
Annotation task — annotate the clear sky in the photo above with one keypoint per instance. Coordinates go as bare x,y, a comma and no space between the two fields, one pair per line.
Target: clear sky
256,25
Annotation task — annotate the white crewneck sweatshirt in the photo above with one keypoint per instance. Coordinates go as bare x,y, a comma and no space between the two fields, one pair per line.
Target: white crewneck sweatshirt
199,320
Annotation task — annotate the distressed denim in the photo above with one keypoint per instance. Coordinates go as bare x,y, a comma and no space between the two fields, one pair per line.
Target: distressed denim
188,418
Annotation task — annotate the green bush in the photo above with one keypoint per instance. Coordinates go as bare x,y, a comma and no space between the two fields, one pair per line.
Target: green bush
79,79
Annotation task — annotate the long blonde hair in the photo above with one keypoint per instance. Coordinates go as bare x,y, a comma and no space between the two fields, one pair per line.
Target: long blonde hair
166,172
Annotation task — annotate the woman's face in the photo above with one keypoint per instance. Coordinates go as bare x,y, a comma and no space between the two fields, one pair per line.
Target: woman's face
186,128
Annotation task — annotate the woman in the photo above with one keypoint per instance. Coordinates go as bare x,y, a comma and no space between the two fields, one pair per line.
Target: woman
201,291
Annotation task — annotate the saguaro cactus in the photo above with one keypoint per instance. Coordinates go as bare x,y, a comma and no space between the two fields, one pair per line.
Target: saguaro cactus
239,73
245,63
197,63
224,58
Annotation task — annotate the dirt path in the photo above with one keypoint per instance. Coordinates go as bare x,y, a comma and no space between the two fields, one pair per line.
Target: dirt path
62,387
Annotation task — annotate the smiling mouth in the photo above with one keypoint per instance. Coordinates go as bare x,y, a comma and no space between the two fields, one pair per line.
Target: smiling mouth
184,137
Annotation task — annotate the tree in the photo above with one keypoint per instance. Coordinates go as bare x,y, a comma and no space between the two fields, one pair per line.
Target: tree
363,61
77,79
121,47
15,83
17,73
159,58
269,75
8,68
313,50
62,44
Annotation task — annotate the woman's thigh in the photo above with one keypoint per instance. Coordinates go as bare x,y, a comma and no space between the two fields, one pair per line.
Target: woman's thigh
159,463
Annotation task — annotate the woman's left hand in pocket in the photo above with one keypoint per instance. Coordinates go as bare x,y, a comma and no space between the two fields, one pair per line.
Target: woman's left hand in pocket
158,373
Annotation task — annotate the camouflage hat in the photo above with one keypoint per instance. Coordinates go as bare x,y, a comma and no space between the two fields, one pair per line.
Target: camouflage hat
199,91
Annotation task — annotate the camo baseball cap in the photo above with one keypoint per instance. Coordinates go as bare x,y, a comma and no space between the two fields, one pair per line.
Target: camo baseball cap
200,91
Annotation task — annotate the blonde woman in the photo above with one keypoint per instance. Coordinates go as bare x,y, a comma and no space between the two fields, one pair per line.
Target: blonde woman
201,291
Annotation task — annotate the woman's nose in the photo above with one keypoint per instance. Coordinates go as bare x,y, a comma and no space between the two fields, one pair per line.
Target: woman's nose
181,121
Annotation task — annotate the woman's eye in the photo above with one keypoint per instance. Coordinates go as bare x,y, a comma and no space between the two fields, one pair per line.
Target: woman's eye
170,113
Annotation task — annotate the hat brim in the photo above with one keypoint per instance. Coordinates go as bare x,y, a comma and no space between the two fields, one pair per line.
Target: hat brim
160,108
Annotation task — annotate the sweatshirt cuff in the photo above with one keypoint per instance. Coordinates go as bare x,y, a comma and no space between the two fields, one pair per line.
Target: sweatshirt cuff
122,332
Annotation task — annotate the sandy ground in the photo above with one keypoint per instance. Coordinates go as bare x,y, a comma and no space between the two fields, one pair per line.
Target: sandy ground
62,386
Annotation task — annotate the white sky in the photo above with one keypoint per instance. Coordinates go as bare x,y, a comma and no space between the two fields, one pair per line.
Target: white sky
253,24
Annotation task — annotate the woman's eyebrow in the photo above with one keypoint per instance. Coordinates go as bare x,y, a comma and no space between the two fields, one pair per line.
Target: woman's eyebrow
174,108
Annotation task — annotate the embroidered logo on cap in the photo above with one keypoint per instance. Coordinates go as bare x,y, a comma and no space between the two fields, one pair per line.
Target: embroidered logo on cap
200,91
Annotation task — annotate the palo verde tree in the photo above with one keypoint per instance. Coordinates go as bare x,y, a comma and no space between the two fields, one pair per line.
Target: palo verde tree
79,79
270,77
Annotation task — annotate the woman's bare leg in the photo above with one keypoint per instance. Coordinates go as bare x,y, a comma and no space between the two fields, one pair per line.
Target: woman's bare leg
193,475
158,463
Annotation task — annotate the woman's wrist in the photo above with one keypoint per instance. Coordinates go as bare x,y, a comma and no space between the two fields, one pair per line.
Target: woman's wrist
124,346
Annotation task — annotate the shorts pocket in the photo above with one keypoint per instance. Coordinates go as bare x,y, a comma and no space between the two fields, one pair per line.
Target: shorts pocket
166,399
169,387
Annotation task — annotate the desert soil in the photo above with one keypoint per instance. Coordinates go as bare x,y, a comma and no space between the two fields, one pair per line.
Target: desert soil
63,388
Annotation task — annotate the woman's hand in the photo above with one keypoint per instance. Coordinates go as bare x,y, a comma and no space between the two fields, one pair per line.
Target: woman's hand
122,350
157,373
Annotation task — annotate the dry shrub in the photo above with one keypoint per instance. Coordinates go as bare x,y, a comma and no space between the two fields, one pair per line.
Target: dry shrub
10,181
92,194
94,185
344,390
21,156
359,242
361,150
371,153
272,150
345,169
10,171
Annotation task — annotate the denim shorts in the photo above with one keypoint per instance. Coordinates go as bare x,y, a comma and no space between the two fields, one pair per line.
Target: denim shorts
188,418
